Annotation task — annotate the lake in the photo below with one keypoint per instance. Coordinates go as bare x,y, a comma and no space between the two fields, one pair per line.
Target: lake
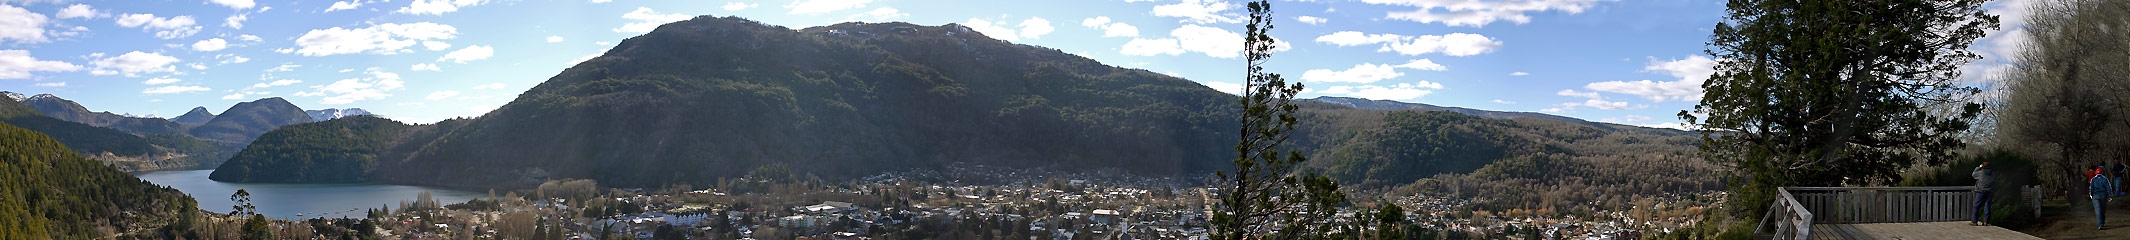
286,201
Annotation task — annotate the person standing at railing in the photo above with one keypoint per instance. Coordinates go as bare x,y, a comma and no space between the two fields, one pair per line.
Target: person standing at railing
2099,187
1984,177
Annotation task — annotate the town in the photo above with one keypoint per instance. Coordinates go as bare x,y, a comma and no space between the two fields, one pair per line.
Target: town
966,202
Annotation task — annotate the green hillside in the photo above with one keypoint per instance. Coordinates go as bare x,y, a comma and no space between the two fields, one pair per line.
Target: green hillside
710,98
52,193
339,150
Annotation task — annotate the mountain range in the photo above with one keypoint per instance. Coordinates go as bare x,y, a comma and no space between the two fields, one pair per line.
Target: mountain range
707,98
196,139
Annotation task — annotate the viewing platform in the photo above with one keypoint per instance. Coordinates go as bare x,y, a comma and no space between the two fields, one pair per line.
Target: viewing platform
1801,213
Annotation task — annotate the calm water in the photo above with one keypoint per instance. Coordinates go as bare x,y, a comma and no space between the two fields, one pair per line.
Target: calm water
285,201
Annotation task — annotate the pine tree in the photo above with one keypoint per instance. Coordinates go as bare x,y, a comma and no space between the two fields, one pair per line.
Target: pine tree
1264,198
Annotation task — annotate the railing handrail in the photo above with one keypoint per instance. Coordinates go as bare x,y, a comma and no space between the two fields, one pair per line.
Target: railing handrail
1796,222
1936,188
1792,218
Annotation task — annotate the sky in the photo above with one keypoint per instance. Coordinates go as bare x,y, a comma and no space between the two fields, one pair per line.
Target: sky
1635,62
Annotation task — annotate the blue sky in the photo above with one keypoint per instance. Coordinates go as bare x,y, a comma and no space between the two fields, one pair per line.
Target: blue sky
1630,62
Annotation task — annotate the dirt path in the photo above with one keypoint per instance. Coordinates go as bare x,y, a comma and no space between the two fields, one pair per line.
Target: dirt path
2076,222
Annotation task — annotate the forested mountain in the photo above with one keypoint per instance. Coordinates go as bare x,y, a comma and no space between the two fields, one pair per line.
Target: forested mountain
197,116
238,125
52,193
120,149
339,150
68,110
709,98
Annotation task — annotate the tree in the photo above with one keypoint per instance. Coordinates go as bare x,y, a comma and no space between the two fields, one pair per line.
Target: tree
1826,93
243,205
1264,198
2065,97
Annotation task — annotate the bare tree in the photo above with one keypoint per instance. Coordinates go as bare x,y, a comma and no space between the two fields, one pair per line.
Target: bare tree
2065,97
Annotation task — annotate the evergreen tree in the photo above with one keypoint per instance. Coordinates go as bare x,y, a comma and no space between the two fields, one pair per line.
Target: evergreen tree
1830,93
1264,198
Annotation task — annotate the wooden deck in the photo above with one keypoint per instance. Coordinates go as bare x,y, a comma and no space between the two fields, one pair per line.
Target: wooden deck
1919,230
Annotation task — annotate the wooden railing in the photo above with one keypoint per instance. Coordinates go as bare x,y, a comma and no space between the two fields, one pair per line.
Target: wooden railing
1793,220
1887,204
1797,208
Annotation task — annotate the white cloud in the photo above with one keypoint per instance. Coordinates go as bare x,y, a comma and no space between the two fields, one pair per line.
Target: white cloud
1031,28
236,21
52,84
79,11
1368,73
554,39
438,7
133,63
358,89
233,96
1475,13
1311,20
21,25
276,83
1401,91
441,95
1214,42
249,38
198,66
1573,93
234,4
389,38
468,54
1200,11
1150,47
1606,105
1592,100
736,6
647,19
817,7
602,1
1691,72
1035,28
1422,64
17,64
232,58
1454,44
1226,87
427,67
165,28
343,5
883,14
284,68
160,81
1110,29
488,86
436,45
1503,101
1519,74
210,45
174,89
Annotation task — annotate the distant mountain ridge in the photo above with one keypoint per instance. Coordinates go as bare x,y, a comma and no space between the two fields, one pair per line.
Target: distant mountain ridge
1396,105
707,98
190,140
64,109
197,116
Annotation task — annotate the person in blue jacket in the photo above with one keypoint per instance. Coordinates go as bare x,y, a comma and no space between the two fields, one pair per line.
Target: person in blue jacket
2099,187
1984,177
